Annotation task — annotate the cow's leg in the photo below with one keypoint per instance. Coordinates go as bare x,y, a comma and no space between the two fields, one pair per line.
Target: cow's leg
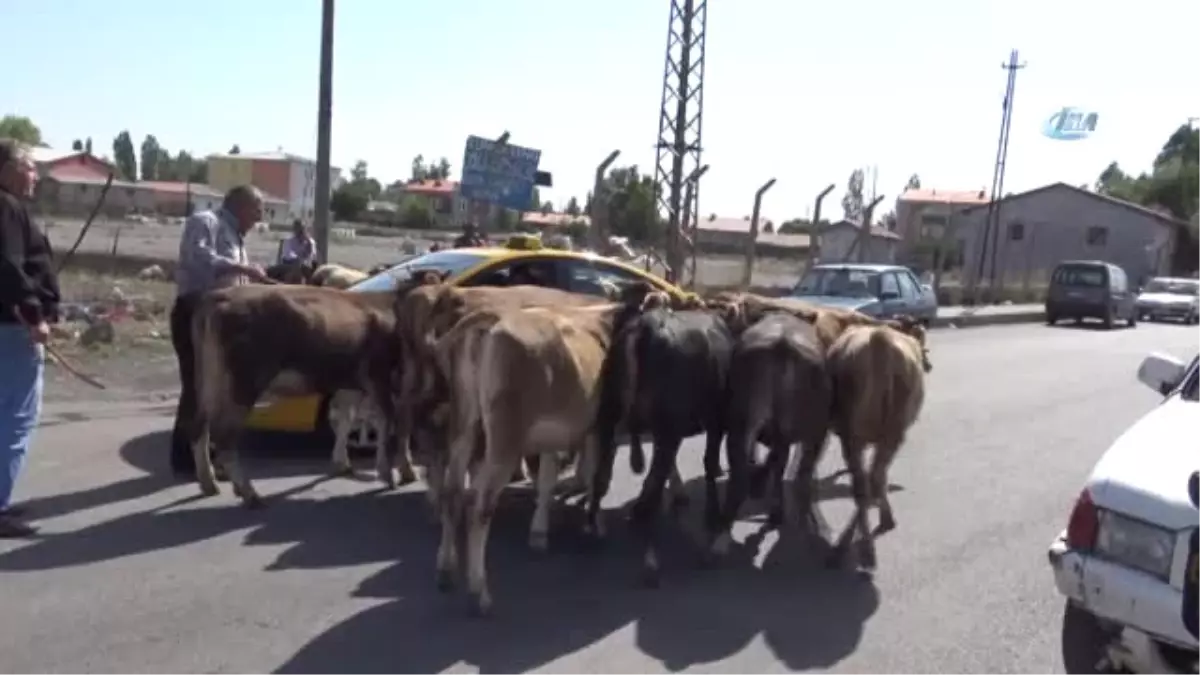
539,529
201,452
675,497
225,430
777,459
884,454
738,449
803,476
648,507
342,415
712,498
493,476
452,503
857,530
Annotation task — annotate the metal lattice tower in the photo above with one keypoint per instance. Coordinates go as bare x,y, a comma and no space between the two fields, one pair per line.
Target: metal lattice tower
679,123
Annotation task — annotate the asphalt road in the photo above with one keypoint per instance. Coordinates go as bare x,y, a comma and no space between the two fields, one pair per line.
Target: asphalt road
135,575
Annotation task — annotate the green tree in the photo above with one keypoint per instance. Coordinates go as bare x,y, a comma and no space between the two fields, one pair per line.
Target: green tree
347,203
504,220
572,207
235,150
20,129
535,200
415,213
852,202
152,154
360,179
123,156
439,171
87,145
77,145
914,183
420,172
631,209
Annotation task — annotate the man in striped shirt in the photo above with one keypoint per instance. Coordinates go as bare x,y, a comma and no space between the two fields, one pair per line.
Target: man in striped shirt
212,254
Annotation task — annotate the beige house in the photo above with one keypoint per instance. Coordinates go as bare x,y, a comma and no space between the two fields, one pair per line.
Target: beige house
922,216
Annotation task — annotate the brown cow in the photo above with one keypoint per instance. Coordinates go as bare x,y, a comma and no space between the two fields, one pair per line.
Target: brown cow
879,388
251,338
532,385
427,313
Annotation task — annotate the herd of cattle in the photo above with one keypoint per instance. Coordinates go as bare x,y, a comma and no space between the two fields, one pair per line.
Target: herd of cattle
475,384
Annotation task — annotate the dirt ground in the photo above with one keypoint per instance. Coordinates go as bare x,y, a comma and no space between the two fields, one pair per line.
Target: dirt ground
138,363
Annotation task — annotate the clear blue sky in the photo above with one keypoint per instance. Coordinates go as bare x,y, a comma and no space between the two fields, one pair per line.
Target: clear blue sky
800,91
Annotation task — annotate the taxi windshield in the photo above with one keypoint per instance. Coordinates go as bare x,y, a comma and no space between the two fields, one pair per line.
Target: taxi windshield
450,262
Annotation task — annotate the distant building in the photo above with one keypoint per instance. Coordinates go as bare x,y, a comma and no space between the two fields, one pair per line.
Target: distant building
1058,222
729,235
840,242
70,184
922,216
445,201
290,177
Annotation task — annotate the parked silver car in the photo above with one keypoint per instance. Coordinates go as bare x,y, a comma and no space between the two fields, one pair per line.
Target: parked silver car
882,291
1170,298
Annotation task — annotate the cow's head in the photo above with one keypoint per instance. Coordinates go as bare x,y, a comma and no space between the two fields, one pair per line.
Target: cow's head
913,328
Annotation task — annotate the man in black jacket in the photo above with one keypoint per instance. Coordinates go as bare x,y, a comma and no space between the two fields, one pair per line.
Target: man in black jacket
29,299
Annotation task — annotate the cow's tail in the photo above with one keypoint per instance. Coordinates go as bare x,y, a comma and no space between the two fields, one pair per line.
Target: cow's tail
210,381
879,380
631,354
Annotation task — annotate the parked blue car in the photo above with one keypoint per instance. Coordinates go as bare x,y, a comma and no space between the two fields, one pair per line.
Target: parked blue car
881,291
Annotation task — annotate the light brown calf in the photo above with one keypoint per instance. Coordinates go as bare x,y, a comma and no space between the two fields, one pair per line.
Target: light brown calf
533,390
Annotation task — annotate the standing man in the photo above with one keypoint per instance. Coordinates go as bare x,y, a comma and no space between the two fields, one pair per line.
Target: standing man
29,299
212,254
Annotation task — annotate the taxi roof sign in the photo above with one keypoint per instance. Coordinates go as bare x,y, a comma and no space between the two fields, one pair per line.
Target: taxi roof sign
524,242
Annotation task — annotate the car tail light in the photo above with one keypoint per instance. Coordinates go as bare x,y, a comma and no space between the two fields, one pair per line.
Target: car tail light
1084,522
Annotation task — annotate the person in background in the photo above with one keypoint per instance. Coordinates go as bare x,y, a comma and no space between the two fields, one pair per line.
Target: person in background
300,248
469,237
29,298
212,254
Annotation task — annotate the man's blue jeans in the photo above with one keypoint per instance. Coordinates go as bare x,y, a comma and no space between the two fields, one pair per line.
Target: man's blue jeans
21,364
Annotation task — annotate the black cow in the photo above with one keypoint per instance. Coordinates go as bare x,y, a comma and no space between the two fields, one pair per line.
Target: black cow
779,394
665,374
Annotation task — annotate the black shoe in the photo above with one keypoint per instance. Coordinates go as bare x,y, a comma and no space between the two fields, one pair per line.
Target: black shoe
14,510
12,527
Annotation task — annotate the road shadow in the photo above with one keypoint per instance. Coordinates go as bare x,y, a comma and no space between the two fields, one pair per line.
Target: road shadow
549,606
147,450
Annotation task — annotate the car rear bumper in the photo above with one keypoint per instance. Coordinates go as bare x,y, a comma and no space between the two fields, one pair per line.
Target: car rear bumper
1146,608
1165,311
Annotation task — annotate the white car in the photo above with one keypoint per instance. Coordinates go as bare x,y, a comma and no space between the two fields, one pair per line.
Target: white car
1170,298
1122,559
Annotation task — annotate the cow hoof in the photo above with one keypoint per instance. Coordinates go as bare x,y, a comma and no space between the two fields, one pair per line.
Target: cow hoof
254,502
775,518
539,541
445,580
887,523
650,569
679,504
866,556
407,476
341,470
480,605
388,478
720,545
209,489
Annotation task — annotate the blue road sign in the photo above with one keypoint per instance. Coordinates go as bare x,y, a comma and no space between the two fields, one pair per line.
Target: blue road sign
1070,124
502,175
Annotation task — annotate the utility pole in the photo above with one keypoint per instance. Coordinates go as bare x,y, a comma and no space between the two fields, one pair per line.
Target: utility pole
322,218
991,228
679,122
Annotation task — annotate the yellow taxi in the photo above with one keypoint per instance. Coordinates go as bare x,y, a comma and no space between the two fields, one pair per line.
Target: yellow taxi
522,260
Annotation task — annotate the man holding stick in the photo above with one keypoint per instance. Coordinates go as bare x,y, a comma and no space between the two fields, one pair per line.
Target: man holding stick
29,298
212,254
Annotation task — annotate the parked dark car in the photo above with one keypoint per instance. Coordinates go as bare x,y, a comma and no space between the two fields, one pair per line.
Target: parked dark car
1090,289
881,291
